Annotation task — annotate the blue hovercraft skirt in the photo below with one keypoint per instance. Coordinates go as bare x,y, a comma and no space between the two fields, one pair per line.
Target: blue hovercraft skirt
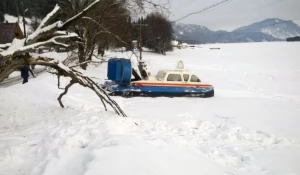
159,90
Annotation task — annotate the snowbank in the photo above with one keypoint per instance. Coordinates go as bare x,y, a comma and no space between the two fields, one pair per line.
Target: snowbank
250,127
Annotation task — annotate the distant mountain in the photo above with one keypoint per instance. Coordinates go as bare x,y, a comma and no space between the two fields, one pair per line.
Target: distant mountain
267,30
277,28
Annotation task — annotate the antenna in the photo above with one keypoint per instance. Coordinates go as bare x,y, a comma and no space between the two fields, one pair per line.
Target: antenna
180,65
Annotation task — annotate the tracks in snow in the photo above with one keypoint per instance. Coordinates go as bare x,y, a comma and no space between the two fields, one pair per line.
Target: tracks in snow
231,146
69,146
256,92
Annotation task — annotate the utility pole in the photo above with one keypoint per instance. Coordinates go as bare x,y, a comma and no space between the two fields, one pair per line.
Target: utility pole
140,45
140,36
24,11
141,65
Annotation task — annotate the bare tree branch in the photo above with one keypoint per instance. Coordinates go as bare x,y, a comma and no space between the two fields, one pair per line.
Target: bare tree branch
65,25
89,61
58,82
64,93
105,30
77,77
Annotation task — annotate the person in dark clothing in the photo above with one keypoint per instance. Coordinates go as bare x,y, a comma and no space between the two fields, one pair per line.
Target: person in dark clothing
25,73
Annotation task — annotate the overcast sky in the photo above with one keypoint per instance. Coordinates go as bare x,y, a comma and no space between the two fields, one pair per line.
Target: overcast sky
234,13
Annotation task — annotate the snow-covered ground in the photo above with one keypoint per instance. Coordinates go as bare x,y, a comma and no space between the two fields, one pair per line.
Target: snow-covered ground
250,127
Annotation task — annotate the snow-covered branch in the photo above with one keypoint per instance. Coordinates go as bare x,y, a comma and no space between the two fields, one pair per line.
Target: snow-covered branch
79,15
43,33
50,35
45,27
46,34
57,41
47,20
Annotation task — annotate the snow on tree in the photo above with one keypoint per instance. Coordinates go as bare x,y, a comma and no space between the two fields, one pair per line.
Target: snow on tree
56,35
52,35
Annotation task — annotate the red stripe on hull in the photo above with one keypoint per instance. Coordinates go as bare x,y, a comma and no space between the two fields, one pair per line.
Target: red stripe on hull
170,84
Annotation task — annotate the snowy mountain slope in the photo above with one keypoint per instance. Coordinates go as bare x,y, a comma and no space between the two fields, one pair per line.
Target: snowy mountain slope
275,27
250,127
267,30
191,28
200,34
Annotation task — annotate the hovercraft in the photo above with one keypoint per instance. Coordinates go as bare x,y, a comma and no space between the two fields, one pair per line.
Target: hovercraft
125,81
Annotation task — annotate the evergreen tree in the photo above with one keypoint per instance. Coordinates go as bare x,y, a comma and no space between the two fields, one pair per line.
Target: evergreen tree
12,7
158,33
1,16
296,38
38,8
2,10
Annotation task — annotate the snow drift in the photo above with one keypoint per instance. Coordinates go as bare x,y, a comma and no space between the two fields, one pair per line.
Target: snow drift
249,127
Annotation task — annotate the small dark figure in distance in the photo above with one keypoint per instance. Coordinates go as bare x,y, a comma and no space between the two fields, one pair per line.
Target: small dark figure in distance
25,73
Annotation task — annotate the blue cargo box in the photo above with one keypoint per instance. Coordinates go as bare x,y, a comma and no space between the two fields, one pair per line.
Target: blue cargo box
119,70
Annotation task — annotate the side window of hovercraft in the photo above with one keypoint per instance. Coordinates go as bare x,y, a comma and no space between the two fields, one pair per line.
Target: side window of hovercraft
186,77
195,79
174,77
